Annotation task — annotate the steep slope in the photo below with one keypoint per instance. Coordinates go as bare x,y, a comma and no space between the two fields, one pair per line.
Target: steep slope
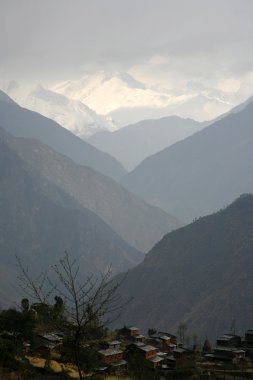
138,223
5,98
200,274
238,108
39,221
23,123
71,114
202,173
132,144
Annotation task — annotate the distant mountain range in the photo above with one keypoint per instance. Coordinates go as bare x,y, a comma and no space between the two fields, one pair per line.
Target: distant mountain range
24,123
202,173
137,222
128,100
69,113
106,101
39,222
200,274
132,144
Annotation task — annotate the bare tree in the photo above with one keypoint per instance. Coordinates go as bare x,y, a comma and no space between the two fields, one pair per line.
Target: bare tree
88,300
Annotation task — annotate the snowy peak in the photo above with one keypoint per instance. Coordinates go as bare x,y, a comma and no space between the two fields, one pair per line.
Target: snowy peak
77,89
129,100
71,114
108,100
109,91
124,78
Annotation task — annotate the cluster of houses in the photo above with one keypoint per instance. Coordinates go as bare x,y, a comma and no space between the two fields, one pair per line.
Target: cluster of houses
159,351
231,349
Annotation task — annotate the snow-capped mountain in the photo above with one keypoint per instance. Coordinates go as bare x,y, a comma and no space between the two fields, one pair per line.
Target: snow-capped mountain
128,101
108,92
110,100
71,114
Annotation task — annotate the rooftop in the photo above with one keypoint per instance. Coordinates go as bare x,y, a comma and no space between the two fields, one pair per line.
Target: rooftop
147,348
52,337
227,337
164,337
114,342
228,349
110,351
138,344
156,359
180,350
118,364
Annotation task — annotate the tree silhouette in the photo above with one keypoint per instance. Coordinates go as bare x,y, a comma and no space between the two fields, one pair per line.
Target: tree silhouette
87,300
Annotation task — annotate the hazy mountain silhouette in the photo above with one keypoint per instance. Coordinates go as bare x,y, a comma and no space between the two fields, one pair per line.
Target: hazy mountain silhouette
24,123
202,173
132,144
5,98
39,222
138,223
200,274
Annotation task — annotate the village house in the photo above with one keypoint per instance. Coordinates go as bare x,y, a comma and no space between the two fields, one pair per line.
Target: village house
114,344
249,338
164,341
228,353
133,332
51,337
47,344
139,338
45,350
228,340
119,367
173,338
155,362
169,362
147,351
229,350
112,359
110,355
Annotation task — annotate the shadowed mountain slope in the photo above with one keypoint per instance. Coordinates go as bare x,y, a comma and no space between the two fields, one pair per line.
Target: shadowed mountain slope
200,274
5,98
39,221
133,143
202,173
138,223
24,123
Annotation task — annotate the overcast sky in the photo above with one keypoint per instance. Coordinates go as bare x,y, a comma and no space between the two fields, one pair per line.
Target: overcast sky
51,40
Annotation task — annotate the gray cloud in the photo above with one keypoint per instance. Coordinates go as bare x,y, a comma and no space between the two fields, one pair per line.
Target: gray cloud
51,39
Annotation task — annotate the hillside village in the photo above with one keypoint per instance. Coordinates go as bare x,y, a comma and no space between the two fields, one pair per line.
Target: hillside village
34,347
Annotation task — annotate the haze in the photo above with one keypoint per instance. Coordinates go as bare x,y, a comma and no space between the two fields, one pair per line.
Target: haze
173,45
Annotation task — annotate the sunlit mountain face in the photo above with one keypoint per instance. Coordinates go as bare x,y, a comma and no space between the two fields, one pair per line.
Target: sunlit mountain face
128,100
108,100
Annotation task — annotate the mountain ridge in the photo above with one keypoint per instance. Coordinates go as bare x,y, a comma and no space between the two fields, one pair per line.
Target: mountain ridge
137,222
144,138
39,221
200,274
24,123
201,173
